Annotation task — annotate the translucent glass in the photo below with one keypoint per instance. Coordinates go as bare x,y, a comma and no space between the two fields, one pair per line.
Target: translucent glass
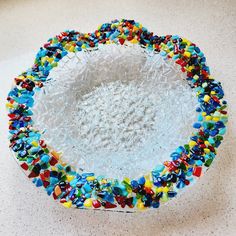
118,111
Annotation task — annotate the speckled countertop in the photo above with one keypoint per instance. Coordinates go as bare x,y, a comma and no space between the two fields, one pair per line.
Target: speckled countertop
207,208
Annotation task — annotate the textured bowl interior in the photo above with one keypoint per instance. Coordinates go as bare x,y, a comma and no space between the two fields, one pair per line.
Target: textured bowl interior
117,111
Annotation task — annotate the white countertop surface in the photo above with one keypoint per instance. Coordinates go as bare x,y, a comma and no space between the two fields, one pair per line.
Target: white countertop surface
207,208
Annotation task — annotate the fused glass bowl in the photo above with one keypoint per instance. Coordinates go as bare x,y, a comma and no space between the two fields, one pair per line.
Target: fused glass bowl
101,120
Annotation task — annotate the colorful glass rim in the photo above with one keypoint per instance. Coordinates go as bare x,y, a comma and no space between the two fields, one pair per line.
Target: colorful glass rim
45,166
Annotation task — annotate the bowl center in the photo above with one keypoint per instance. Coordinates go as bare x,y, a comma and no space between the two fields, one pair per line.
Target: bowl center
117,111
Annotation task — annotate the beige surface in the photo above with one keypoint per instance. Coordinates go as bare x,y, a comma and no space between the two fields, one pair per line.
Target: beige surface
208,208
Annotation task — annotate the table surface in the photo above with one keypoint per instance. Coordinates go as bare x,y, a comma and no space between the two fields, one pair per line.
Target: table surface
207,208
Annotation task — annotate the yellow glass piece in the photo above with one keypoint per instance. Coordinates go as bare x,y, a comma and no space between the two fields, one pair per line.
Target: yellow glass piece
206,98
171,54
90,178
165,189
67,204
148,184
34,143
216,119
184,40
159,190
134,40
72,49
135,28
187,54
70,177
88,202
192,143
44,59
55,154
54,168
9,105
207,143
190,68
208,118
140,205
50,60
127,180
206,150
